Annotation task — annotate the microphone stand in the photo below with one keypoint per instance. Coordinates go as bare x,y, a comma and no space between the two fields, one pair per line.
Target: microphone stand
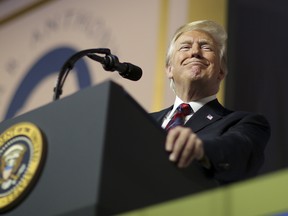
109,62
69,64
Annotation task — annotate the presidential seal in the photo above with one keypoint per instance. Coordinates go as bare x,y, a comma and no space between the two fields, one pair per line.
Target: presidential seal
21,157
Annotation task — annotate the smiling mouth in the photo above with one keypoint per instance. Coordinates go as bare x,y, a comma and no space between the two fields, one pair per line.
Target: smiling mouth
196,63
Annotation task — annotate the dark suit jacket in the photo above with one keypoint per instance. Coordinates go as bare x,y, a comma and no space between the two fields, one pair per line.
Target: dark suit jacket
234,141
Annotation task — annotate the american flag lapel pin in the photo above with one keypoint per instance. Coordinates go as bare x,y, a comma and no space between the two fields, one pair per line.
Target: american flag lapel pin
210,117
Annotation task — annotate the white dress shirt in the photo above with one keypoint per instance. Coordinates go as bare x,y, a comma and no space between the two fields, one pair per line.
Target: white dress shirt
195,105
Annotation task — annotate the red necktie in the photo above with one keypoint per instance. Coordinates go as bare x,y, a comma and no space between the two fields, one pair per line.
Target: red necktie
179,117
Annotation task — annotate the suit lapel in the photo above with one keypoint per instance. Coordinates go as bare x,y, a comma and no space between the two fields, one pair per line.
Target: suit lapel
206,115
159,116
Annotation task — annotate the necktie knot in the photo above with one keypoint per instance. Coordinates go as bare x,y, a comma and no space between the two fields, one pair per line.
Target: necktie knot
185,109
182,111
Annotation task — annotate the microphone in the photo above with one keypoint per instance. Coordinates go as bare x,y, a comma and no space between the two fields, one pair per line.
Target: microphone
111,63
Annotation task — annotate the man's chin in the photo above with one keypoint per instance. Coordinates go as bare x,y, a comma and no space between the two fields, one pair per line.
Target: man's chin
193,76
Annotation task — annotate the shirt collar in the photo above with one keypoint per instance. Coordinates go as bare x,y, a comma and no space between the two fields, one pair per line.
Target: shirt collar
196,105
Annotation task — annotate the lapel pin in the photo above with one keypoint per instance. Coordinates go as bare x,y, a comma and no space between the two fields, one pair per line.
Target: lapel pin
210,117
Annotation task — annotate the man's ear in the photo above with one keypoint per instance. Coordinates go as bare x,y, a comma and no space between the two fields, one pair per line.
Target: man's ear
221,75
169,72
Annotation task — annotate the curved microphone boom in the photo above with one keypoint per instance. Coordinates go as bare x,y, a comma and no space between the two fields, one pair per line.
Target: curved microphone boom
109,62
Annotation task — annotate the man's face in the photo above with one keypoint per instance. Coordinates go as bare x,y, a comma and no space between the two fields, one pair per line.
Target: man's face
195,60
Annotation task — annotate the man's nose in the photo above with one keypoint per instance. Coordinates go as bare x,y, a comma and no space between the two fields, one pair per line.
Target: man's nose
196,51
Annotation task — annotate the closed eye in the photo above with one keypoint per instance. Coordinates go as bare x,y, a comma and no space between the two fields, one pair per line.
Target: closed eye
206,47
185,47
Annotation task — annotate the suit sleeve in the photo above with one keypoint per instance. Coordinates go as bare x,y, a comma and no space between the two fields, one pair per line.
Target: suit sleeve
238,151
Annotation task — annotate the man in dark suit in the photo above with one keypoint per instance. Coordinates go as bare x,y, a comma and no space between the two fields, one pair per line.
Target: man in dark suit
228,144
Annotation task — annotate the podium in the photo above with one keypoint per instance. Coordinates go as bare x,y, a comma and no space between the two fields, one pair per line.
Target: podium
105,155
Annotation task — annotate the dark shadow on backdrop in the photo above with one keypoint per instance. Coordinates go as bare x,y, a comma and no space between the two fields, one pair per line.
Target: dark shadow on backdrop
258,69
